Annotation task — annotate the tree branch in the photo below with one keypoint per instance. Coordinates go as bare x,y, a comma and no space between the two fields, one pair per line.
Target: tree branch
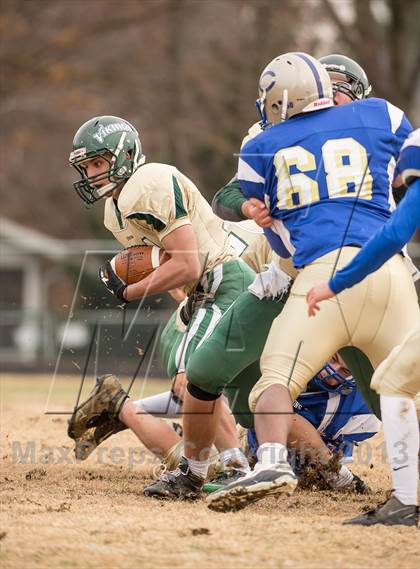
348,33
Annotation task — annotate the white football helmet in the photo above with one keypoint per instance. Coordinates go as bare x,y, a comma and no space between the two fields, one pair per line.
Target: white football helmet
293,83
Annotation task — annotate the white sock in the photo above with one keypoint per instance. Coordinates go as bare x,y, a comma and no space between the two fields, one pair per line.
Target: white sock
402,442
162,405
198,467
271,453
233,457
340,479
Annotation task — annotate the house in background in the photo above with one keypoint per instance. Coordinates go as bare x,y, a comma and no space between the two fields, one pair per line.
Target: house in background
35,284
39,327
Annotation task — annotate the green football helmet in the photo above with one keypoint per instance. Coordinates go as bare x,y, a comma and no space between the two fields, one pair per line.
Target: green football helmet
347,76
113,139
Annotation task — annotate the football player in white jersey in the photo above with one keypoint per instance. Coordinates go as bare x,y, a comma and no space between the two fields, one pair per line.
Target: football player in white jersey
155,204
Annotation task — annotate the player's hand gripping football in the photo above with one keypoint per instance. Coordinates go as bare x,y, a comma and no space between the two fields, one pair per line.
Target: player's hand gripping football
317,293
112,281
257,210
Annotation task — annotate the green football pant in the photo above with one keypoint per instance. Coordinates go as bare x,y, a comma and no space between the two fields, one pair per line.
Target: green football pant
224,284
229,359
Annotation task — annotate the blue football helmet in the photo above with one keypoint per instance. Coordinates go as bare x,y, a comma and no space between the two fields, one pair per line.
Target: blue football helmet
342,384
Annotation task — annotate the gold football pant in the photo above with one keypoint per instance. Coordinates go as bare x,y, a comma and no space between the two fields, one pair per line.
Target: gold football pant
400,371
375,316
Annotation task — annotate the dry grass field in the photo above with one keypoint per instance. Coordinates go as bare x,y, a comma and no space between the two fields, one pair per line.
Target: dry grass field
59,514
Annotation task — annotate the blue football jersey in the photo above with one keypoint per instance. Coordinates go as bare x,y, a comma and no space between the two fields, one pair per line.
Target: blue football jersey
338,417
341,420
326,176
388,241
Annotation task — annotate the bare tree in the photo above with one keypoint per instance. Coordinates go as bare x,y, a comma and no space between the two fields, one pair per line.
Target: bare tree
384,39
184,71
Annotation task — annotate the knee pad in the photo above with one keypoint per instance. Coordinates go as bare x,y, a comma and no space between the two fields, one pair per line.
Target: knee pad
200,394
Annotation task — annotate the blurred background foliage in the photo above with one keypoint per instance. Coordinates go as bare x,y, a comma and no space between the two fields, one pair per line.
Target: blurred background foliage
184,72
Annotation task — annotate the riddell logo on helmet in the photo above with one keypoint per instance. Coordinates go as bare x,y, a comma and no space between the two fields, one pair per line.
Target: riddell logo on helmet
318,104
105,131
322,102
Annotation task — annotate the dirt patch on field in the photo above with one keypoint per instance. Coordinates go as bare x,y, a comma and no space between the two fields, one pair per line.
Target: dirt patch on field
58,513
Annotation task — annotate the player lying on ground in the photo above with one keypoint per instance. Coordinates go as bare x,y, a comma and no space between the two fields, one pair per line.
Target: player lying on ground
155,204
238,343
108,410
325,198
332,406
335,408
402,366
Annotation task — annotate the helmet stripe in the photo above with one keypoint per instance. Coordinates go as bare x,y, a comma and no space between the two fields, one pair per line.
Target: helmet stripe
314,71
120,145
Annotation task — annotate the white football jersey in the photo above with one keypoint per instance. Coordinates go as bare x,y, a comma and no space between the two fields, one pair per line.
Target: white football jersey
158,199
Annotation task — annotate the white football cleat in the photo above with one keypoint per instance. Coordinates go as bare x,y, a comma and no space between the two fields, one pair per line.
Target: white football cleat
261,482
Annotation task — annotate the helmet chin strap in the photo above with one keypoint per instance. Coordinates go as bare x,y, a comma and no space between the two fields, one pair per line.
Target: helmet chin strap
261,109
285,102
105,190
102,192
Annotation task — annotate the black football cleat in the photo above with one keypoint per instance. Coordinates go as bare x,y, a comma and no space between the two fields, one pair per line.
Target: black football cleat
179,484
359,486
392,513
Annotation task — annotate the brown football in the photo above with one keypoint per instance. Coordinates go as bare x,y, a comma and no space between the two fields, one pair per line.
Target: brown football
136,263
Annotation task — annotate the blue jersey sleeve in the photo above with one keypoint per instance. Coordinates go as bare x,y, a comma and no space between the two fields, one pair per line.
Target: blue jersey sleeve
388,241
400,127
251,171
402,133
408,164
